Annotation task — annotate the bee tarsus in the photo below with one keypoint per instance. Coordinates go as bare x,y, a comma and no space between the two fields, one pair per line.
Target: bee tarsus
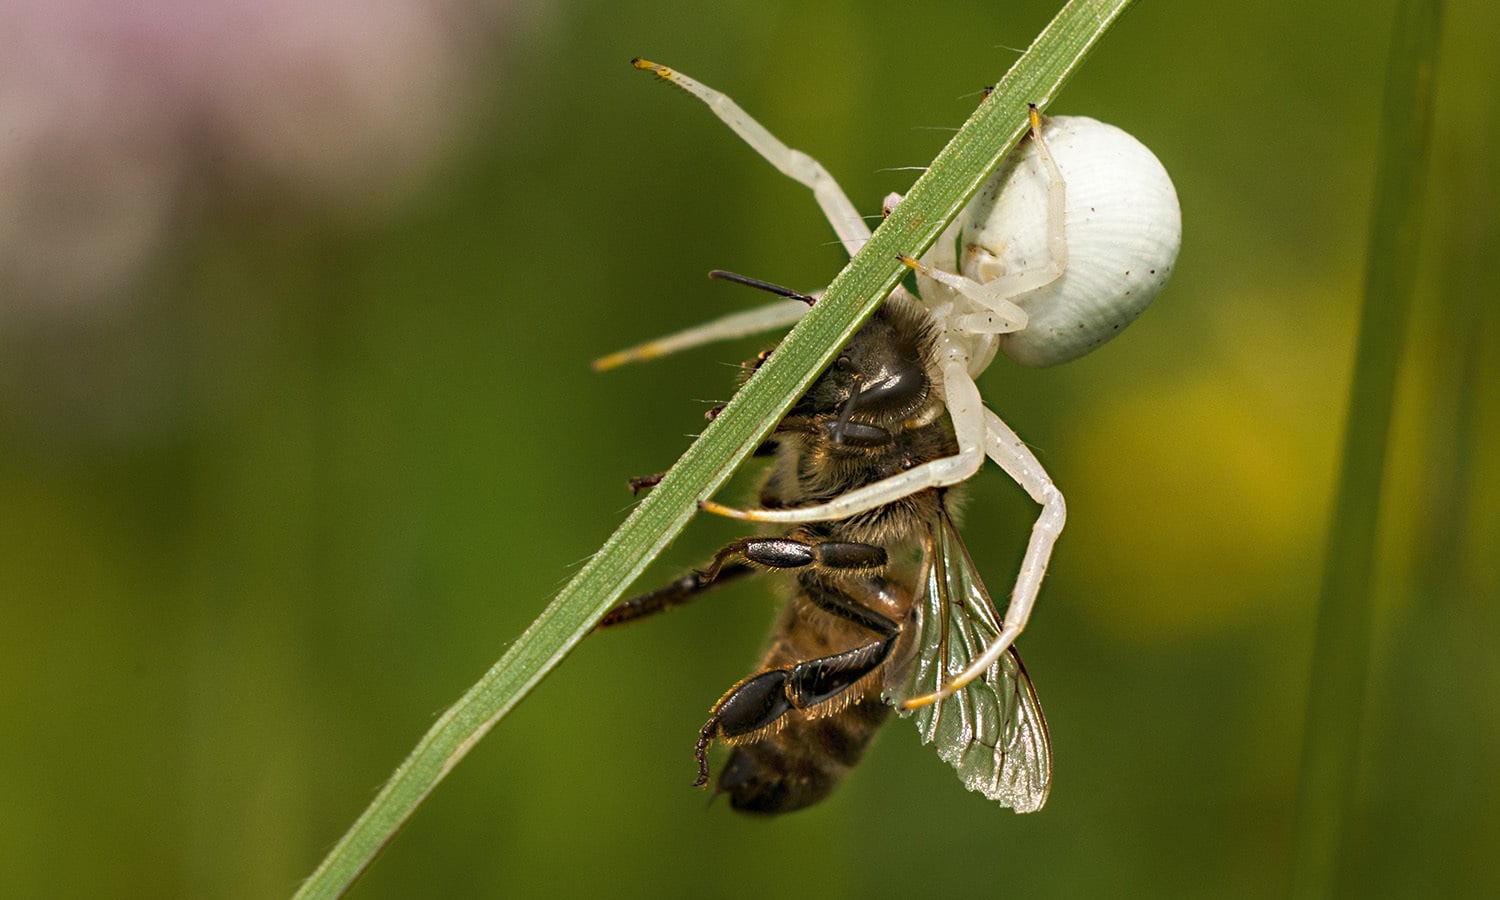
642,482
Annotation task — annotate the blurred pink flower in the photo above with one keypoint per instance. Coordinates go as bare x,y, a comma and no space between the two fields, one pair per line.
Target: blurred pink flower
110,110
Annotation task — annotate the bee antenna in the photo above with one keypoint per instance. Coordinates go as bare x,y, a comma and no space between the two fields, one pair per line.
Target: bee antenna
768,287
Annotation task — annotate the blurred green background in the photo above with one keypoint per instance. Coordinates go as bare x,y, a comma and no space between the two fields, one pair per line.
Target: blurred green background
279,486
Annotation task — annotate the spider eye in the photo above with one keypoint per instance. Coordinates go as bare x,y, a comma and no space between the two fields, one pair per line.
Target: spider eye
844,364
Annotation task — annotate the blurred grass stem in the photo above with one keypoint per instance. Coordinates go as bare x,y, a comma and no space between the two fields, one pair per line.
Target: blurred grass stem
934,199
1328,787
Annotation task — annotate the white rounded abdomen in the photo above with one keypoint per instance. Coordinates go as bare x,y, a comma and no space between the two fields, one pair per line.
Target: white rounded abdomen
1122,230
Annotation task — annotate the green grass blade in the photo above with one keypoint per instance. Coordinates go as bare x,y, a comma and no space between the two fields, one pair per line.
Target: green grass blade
933,201
1336,700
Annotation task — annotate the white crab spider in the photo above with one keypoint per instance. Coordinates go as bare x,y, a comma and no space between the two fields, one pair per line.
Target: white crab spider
1061,247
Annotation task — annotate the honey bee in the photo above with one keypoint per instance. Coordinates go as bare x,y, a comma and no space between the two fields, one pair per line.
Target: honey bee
884,605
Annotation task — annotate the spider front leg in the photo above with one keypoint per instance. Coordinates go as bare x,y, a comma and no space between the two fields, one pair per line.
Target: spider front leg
735,325
1011,453
968,414
837,208
841,213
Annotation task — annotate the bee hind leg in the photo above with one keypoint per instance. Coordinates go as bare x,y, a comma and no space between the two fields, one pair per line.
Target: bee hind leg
755,706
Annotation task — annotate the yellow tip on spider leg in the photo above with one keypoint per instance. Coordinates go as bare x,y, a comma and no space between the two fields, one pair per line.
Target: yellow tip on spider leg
649,66
916,265
730,512
918,702
615,360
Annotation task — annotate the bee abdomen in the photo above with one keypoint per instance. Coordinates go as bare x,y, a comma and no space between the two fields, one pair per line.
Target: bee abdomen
803,761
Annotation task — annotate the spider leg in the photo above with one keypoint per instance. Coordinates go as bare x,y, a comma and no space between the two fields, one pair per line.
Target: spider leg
851,229
1011,453
734,325
999,315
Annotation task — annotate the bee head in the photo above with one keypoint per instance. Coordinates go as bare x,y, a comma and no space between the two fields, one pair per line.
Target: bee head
881,376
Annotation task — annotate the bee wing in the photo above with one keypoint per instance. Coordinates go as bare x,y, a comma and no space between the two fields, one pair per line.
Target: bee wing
993,731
